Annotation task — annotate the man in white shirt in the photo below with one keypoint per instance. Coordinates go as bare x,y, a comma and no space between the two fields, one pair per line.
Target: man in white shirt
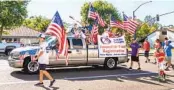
43,59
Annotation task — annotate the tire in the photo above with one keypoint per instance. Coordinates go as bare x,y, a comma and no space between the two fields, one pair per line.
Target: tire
110,63
30,67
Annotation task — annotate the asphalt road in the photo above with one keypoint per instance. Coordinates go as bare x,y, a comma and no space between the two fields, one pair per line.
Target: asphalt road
88,78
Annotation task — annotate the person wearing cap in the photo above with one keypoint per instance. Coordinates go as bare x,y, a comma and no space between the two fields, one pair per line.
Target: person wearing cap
146,47
43,60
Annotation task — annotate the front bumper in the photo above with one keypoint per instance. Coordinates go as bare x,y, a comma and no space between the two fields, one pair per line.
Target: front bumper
15,63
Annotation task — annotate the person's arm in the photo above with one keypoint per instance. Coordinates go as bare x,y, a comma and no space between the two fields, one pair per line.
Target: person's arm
138,51
40,53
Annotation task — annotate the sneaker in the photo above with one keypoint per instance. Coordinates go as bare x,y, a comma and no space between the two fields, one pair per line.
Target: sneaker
139,69
130,68
38,84
51,83
148,60
155,62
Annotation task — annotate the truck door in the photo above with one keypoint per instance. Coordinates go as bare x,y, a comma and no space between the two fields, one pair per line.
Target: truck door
77,53
93,56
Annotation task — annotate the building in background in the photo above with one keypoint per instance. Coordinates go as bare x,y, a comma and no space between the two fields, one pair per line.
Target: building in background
21,34
159,34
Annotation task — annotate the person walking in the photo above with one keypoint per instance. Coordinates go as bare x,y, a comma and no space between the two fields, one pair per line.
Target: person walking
160,58
43,60
146,47
168,54
135,54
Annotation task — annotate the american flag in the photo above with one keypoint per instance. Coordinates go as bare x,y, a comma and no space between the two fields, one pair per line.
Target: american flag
56,28
91,12
129,24
100,20
115,23
94,33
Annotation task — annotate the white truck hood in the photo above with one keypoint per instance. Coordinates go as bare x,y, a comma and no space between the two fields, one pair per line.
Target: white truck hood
25,49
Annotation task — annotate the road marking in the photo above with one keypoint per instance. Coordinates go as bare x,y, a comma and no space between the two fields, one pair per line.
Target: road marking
78,78
93,77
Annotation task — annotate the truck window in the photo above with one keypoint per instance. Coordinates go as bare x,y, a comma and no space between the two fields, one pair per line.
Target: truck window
77,43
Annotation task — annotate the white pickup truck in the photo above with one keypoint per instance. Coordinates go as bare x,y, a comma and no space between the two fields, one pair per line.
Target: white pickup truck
80,54
6,48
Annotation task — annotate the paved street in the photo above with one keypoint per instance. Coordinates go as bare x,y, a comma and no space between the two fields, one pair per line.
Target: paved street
88,78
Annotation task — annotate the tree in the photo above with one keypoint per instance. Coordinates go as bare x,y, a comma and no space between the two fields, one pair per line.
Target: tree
104,9
12,14
38,23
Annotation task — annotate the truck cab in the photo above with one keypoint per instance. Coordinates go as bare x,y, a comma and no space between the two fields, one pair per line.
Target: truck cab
79,54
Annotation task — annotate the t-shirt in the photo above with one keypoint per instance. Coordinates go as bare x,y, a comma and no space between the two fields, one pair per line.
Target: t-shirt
160,56
146,46
168,50
134,47
44,58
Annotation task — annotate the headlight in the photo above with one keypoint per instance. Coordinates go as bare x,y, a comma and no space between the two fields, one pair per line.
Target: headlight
15,55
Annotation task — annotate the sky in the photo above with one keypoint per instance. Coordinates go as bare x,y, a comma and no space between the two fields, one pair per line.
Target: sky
68,8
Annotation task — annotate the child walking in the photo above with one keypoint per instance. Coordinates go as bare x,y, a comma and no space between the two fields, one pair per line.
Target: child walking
160,55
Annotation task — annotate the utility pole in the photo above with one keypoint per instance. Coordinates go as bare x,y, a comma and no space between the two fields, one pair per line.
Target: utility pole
136,10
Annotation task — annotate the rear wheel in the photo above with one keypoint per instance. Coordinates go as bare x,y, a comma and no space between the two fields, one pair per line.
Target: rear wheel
30,67
110,63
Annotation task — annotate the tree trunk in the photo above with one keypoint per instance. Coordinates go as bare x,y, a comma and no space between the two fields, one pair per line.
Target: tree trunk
1,30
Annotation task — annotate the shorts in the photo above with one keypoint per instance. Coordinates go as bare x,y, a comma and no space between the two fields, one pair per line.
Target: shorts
146,53
168,58
135,58
42,66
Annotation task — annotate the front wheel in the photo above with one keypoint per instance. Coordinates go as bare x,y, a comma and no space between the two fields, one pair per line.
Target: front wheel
110,63
31,67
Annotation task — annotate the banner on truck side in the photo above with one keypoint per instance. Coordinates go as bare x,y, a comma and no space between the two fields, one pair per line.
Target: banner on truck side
111,47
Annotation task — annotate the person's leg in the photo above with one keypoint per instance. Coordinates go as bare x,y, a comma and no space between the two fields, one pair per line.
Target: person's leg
48,75
41,76
137,59
132,57
168,63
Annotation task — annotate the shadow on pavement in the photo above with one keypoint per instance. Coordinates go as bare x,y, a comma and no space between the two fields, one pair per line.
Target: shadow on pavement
51,88
74,73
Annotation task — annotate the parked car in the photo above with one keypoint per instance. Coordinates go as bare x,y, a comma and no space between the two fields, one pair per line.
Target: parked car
79,55
6,48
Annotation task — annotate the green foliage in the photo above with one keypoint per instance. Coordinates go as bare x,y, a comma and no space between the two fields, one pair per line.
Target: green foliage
104,9
12,14
145,30
38,23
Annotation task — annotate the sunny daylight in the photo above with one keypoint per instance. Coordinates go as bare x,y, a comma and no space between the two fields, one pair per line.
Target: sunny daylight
86,44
